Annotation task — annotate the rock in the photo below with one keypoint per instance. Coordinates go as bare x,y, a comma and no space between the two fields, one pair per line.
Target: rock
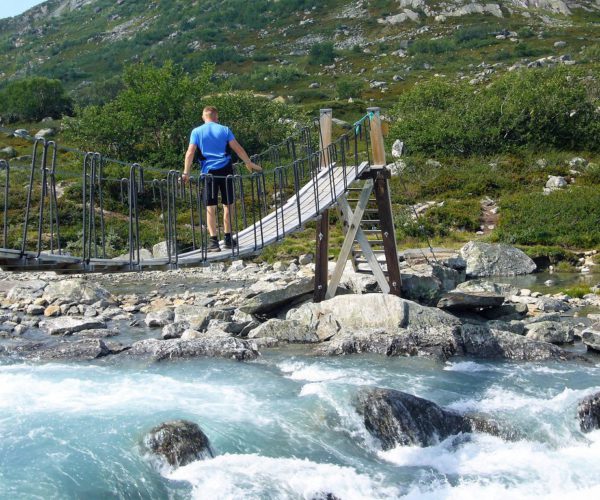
385,324
278,296
8,152
460,301
591,337
279,266
314,85
485,259
560,44
397,148
547,304
159,318
78,350
69,325
477,286
159,251
551,331
45,132
173,330
198,317
399,419
97,333
516,327
211,347
427,282
287,330
305,259
76,291
22,133
588,412
23,290
556,182
178,443
358,283
35,310
506,312
484,342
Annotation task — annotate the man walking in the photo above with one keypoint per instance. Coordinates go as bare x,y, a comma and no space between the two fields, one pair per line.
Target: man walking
211,140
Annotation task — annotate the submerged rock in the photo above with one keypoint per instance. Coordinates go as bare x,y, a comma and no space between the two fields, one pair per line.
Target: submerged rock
485,259
178,443
588,412
396,418
212,347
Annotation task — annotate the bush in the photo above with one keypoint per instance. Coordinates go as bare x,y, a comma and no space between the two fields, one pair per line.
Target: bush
454,215
440,46
322,53
349,88
568,218
543,109
32,99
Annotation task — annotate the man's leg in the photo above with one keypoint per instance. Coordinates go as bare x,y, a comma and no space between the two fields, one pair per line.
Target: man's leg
211,220
226,221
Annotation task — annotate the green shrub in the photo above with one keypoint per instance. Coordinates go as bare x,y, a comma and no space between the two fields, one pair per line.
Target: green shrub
439,46
453,215
322,53
32,99
544,108
577,291
349,88
568,218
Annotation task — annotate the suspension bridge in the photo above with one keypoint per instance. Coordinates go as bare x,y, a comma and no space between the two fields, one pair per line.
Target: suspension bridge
303,177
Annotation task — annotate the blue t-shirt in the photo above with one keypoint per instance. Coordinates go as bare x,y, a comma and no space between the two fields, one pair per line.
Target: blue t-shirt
212,140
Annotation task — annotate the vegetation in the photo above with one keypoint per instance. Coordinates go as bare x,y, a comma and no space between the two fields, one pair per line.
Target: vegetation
32,99
322,53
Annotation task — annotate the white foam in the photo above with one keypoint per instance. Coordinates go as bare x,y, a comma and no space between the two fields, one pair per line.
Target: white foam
491,468
254,476
467,366
313,372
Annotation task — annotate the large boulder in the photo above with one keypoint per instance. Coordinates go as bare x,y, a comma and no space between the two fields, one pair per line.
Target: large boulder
384,321
160,251
159,318
554,332
77,350
178,443
485,286
67,325
286,330
485,342
396,418
210,346
77,291
485,259
265,297
588,412
198,317
23,290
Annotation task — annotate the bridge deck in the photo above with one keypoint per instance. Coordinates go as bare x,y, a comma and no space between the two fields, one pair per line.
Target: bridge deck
310,201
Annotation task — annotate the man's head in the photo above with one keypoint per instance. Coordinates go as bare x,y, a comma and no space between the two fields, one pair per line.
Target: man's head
210,114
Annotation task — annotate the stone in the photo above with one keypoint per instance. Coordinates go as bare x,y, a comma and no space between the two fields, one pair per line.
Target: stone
556,182
35,310
516,327
178,443
382,323
8,152
314,85
70,325
485,342
173,330
287,330
478,285
198,317
460,301
305,259
22,133
551,331
78,350
76,291
396,418
397,148
427,282
591,337
159,318
96,333
486,259
211,347
23,290
588,412
548,304
159,251
506,312
560,44
278,295
45,132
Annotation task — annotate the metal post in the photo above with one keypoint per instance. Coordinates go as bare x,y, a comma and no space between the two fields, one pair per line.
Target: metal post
322,237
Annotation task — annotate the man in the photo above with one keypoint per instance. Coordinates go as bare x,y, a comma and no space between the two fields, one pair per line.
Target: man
211,140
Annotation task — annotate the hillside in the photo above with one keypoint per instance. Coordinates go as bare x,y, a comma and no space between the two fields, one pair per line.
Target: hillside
381,46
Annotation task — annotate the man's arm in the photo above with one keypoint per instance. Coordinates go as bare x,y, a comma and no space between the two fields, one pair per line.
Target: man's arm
241,152
189,159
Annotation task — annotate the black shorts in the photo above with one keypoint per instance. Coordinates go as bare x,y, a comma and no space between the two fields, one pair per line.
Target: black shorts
217,182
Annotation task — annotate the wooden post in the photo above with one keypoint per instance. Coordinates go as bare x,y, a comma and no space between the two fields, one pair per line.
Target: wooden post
322,237
384,203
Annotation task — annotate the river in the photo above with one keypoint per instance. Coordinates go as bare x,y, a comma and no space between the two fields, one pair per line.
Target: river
285,427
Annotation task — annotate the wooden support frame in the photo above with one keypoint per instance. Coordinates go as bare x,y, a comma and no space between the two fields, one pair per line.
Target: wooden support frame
322,236
355,233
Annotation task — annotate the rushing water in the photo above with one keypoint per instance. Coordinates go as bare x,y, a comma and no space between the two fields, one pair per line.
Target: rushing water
285,427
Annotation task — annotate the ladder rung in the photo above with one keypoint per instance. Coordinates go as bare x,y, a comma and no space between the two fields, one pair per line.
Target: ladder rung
372,231
367,221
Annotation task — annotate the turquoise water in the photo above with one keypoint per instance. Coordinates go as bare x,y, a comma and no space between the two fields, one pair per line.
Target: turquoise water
285,427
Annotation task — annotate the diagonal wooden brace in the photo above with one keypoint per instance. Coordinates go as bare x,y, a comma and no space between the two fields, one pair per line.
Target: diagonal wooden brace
355,233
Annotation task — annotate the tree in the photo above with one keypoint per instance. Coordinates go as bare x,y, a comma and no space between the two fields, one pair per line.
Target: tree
322,53
32,99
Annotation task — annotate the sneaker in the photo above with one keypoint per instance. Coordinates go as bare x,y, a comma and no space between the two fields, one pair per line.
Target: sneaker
213,246
229,243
